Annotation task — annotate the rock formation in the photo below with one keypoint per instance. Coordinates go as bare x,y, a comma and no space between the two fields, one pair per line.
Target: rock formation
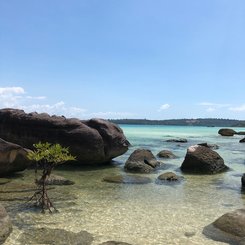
227,132
92,142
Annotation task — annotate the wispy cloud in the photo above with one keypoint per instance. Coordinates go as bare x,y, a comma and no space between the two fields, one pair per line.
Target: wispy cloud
238,108
15,97
164,107
111,115
210,107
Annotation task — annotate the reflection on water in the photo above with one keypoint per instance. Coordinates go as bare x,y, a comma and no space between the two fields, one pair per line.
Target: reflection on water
147,214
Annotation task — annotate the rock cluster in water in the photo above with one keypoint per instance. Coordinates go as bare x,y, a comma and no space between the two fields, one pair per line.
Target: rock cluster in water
229,132
93,141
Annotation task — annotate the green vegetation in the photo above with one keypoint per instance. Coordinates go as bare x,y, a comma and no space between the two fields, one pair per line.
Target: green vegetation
208,122
47,156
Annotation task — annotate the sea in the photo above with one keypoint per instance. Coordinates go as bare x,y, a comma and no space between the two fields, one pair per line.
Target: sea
147,214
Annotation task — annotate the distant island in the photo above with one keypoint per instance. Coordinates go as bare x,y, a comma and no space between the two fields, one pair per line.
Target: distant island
208,122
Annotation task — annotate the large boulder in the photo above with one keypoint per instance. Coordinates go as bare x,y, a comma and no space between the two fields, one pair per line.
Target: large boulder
5,225
93,141
203,160
141,161
227,132
13,158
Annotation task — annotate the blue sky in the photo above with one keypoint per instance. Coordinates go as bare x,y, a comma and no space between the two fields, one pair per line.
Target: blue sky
155,59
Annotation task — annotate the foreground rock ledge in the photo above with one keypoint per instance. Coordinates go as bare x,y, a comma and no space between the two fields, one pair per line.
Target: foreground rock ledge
202,160
5,225
229,228
93,141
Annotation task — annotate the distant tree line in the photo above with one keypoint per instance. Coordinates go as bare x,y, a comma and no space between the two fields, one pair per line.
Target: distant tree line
208,122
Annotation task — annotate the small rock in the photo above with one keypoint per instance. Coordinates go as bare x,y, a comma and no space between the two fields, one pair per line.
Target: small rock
241,133
243,180
169,177
166,154
177,140
190,233
242,140
226,132
127,179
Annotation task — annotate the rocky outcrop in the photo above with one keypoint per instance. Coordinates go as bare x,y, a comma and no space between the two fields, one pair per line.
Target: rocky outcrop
243,180
127,179
13,158
242,140
227,132
241,133
201,159
166,154
141,161
5,225
93,141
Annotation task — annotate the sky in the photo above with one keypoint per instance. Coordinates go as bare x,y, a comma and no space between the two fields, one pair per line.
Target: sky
154,59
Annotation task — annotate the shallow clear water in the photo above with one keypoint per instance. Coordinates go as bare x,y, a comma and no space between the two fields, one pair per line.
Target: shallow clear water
147,214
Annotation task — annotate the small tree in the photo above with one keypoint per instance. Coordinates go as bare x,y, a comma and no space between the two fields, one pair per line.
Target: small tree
47,156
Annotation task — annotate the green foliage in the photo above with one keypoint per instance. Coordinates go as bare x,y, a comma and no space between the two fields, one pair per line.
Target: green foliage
47,153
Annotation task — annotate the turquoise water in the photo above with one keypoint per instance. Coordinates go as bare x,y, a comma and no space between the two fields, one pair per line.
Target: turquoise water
148,214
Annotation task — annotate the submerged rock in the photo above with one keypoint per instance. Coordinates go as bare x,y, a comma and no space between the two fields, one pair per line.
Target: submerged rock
166,154
169,177
229,228
114,243
201,159
13,158
227,132
57,180
55,237
92,142
5,225
141,161
127,179
180,140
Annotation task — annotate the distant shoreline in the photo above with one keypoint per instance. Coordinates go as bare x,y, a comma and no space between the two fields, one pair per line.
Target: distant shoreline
206,122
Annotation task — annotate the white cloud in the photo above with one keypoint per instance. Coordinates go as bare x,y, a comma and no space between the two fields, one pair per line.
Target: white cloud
11,90
239,108
210,109
164,107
